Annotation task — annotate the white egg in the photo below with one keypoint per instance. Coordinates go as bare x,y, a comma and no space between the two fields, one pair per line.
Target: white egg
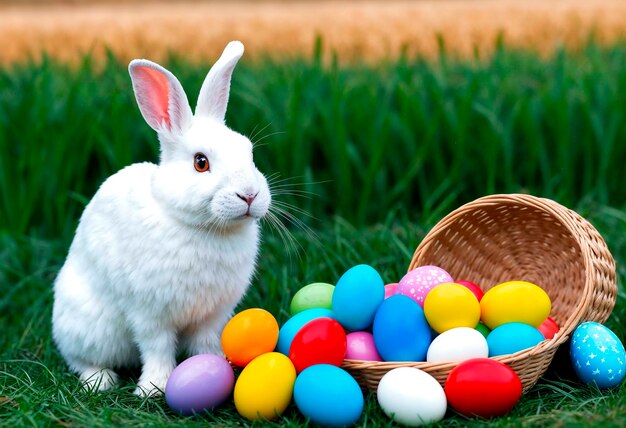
458,344
411,397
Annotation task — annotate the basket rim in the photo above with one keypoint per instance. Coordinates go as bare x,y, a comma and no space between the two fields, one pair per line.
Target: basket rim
546,344
557,211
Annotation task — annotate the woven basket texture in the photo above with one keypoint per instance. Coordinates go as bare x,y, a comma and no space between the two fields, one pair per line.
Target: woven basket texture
501,238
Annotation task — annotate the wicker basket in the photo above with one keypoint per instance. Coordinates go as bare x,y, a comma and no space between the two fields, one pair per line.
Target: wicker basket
501,238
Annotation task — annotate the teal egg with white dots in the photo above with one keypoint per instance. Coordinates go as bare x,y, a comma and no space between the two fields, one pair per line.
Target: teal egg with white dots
597,355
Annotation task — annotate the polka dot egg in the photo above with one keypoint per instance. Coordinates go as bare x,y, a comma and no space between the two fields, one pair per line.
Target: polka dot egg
417,283
597,355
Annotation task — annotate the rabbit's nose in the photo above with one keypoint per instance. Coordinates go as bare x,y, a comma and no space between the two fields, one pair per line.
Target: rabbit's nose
247,197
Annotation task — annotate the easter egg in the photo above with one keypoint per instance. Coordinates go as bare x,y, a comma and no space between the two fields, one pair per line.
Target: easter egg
357,295
549,328
418,282
411,397
458,344
361,346
265,386
473,287
483,387
321,341
288,331
390,289
483,329
316,295
597,355
400,330
328,396
199,383
515,301
512,337
249,334
451,305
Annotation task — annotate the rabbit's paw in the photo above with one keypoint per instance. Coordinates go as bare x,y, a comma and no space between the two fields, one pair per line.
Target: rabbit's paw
152,385
98,379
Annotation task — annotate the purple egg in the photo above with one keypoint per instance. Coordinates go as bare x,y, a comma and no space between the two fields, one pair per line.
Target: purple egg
417,283
199,383
360,346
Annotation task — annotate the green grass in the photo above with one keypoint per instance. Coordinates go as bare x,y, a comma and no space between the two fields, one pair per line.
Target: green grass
386,150
36,388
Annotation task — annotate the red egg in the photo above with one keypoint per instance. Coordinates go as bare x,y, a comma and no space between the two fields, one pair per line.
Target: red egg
549,328
321,341
483,387
478,292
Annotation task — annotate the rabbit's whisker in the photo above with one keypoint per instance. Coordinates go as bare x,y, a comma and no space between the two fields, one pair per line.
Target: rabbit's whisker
281,212
256,143
290,207
298,193
285,235
275,178
285,184
252,133
255,134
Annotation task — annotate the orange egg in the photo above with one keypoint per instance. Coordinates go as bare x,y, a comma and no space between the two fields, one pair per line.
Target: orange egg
249,334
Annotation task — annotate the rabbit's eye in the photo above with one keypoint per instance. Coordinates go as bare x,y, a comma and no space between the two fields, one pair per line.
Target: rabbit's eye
200,162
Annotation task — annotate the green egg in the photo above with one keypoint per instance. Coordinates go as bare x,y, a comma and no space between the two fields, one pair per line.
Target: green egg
316,295
483,329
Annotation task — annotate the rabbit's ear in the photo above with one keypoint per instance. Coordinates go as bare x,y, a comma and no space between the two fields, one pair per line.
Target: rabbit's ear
160,96
213,97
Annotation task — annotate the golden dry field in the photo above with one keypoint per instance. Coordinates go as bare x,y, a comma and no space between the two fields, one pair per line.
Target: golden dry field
355,29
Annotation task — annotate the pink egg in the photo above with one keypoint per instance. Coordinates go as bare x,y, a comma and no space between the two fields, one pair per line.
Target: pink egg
417,283
390,289
361,347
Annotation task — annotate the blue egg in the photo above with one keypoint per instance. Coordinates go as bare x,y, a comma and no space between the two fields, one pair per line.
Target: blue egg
597,355
293,325
401,332
512,337
328,396
357,295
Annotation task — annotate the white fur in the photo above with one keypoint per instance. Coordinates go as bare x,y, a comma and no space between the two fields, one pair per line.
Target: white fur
163,253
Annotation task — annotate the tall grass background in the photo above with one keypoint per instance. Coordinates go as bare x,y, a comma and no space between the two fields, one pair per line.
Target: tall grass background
405,136
381,153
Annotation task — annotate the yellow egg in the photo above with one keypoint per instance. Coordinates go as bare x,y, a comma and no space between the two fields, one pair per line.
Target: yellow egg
449,306
515,301
265,386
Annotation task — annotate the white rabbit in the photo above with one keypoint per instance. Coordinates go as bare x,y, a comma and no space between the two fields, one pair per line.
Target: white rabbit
163,253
